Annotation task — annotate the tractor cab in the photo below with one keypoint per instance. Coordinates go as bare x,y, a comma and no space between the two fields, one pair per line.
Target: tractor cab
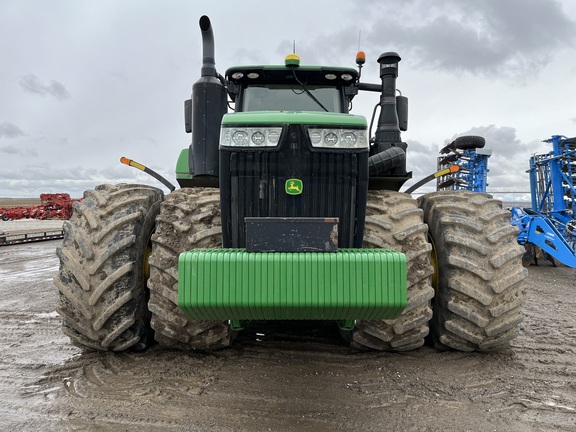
291,88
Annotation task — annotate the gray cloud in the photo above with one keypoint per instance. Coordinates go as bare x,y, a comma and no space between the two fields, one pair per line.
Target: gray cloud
9,130
13,150
500,139
9,150
488,37
420,159
32,84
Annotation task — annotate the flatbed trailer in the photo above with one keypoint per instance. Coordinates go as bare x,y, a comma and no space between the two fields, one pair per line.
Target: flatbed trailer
28,236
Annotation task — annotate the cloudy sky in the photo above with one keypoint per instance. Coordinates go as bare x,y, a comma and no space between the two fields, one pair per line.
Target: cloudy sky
83,83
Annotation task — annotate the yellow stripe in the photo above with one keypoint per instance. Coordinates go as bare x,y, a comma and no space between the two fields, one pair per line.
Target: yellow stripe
452,169
137,165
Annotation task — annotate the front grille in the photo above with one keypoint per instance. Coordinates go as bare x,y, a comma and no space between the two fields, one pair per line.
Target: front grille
253,185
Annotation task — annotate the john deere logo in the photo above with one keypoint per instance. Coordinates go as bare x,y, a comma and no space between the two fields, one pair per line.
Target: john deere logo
293,186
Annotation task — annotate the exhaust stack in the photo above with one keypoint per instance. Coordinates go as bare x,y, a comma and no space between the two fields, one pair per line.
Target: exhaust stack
204,113
208,62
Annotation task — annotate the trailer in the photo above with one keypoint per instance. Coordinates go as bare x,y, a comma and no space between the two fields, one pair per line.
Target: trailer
18,237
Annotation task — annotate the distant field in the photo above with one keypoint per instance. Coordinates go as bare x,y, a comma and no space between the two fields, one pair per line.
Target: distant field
19,202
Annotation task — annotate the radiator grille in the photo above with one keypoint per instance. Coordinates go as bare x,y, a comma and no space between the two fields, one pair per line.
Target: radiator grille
334,185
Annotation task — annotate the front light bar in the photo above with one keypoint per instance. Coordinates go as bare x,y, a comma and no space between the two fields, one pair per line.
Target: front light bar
249,136
338,138
233,136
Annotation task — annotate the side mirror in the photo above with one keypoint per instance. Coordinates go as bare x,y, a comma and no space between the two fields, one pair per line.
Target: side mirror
402,111
188,115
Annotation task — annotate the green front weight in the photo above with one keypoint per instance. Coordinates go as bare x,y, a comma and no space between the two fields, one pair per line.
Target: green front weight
232,284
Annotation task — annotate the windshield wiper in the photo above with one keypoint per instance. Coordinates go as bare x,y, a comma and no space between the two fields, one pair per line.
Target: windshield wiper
308,91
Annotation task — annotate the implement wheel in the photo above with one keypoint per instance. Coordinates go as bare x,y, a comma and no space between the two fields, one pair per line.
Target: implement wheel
102,277
479,274
394,221
189,219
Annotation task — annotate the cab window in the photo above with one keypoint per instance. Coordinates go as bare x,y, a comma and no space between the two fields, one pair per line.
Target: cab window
289,98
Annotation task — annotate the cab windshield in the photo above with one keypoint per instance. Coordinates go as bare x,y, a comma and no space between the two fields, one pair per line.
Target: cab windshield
278,97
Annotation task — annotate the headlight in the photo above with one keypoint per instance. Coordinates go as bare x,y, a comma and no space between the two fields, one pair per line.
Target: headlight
338,138
249,136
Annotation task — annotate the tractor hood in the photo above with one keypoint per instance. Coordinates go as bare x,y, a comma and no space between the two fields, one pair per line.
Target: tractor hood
294,117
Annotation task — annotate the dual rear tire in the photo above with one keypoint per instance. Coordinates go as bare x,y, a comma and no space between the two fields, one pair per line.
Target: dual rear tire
189,219
464,272
121,239
102,277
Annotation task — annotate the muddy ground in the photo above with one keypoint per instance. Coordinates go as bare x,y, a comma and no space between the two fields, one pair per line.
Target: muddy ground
279,378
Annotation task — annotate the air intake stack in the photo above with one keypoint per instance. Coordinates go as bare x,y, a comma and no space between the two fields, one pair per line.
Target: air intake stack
390,157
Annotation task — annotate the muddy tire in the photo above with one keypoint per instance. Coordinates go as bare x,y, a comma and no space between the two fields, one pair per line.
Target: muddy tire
479,288
102,280
189,219
394,221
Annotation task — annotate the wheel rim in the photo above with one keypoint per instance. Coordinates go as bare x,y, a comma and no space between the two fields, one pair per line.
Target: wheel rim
146,266
434,262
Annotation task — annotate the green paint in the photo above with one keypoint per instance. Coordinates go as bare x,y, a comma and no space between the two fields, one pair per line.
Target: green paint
182,168
232,284
313,118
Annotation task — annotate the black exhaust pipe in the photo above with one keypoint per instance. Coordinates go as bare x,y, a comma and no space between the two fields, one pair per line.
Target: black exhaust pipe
208,61
204,113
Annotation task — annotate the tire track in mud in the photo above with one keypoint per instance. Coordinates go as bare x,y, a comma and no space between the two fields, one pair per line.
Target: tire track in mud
280,383
547,349
27,344
155,389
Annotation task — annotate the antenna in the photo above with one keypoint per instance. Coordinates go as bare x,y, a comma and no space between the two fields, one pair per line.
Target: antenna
360,56
294,46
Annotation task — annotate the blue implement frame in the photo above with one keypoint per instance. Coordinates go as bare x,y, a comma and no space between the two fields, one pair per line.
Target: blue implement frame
472,174
550,223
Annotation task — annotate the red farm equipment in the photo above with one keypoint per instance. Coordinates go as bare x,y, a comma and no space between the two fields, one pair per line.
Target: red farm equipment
52,206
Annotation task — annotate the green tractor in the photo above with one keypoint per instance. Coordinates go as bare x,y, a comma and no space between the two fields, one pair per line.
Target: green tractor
288,209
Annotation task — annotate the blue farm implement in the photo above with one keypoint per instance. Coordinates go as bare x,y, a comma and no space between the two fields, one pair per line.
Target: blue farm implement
548,228
468,154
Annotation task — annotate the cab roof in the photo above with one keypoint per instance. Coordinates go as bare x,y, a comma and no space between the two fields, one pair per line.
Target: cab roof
280,74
